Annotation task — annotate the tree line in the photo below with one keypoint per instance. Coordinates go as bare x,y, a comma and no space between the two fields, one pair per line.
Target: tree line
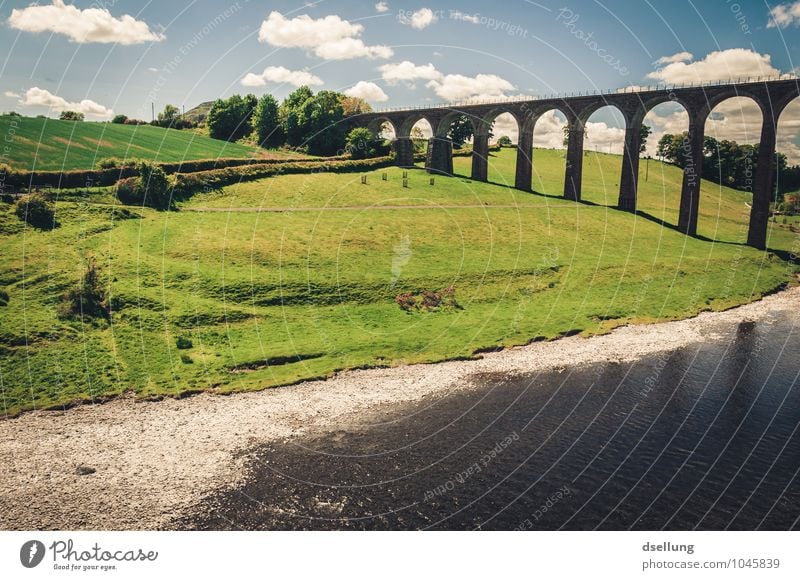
304,121
729,163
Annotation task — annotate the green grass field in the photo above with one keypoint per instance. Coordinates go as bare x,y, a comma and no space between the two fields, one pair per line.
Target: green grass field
252,289
48,144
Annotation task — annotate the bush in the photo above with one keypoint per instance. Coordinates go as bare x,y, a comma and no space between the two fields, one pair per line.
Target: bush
87,299
116,163
4,298
428,300
359,143
151,188
72,116
183,343
120,120
186,359
128,191
37,210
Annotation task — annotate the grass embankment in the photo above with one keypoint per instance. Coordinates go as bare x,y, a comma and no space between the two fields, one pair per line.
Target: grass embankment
272,298
47,144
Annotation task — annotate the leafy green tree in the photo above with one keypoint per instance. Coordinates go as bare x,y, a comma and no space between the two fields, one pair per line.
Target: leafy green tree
320,122
461,131
169,115
360,143
266,122
644,133
504,141
231,119
119,119
71,116
289,114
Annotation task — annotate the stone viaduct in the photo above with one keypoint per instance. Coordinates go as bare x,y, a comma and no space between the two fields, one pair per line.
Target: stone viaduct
771,95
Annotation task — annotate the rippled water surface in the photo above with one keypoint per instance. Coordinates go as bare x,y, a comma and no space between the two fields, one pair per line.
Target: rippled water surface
705,437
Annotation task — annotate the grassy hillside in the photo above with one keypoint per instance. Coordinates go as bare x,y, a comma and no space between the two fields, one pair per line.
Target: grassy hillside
272,297
48,144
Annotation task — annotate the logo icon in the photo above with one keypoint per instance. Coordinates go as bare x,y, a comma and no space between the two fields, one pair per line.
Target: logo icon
32,553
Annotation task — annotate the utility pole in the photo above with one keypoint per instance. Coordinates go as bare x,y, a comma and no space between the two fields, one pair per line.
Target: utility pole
153,111
647,169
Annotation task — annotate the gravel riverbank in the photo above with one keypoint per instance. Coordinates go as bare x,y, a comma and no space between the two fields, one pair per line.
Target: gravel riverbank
138,465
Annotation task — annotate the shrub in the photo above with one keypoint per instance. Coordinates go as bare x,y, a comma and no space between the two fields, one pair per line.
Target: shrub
37,210
428,300
359,143
128,191
183,343
120,120
116,163
151,188
4,298
72,116
87,299
186,359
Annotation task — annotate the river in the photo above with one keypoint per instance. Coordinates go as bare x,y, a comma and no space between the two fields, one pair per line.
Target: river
702,437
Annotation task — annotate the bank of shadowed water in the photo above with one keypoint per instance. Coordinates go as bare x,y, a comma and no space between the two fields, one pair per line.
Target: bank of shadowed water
704,436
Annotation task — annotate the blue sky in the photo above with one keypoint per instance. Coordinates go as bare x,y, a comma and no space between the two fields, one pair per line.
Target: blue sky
186,53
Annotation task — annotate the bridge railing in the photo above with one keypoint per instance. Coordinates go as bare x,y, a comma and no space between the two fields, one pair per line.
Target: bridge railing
589,93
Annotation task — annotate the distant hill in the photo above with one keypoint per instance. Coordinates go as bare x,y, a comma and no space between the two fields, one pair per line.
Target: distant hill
199,113
49,144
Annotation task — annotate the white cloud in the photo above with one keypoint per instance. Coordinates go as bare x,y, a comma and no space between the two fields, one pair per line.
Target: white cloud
549,131
460,87
679,57
281,75
602,137
11,95
505,124
407,71
420,19
367,91
83,26
381,7
719,65
331,37
36,97
784,15
458,15
152,69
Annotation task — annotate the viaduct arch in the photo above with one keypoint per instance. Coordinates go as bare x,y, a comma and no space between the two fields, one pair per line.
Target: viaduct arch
771,95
